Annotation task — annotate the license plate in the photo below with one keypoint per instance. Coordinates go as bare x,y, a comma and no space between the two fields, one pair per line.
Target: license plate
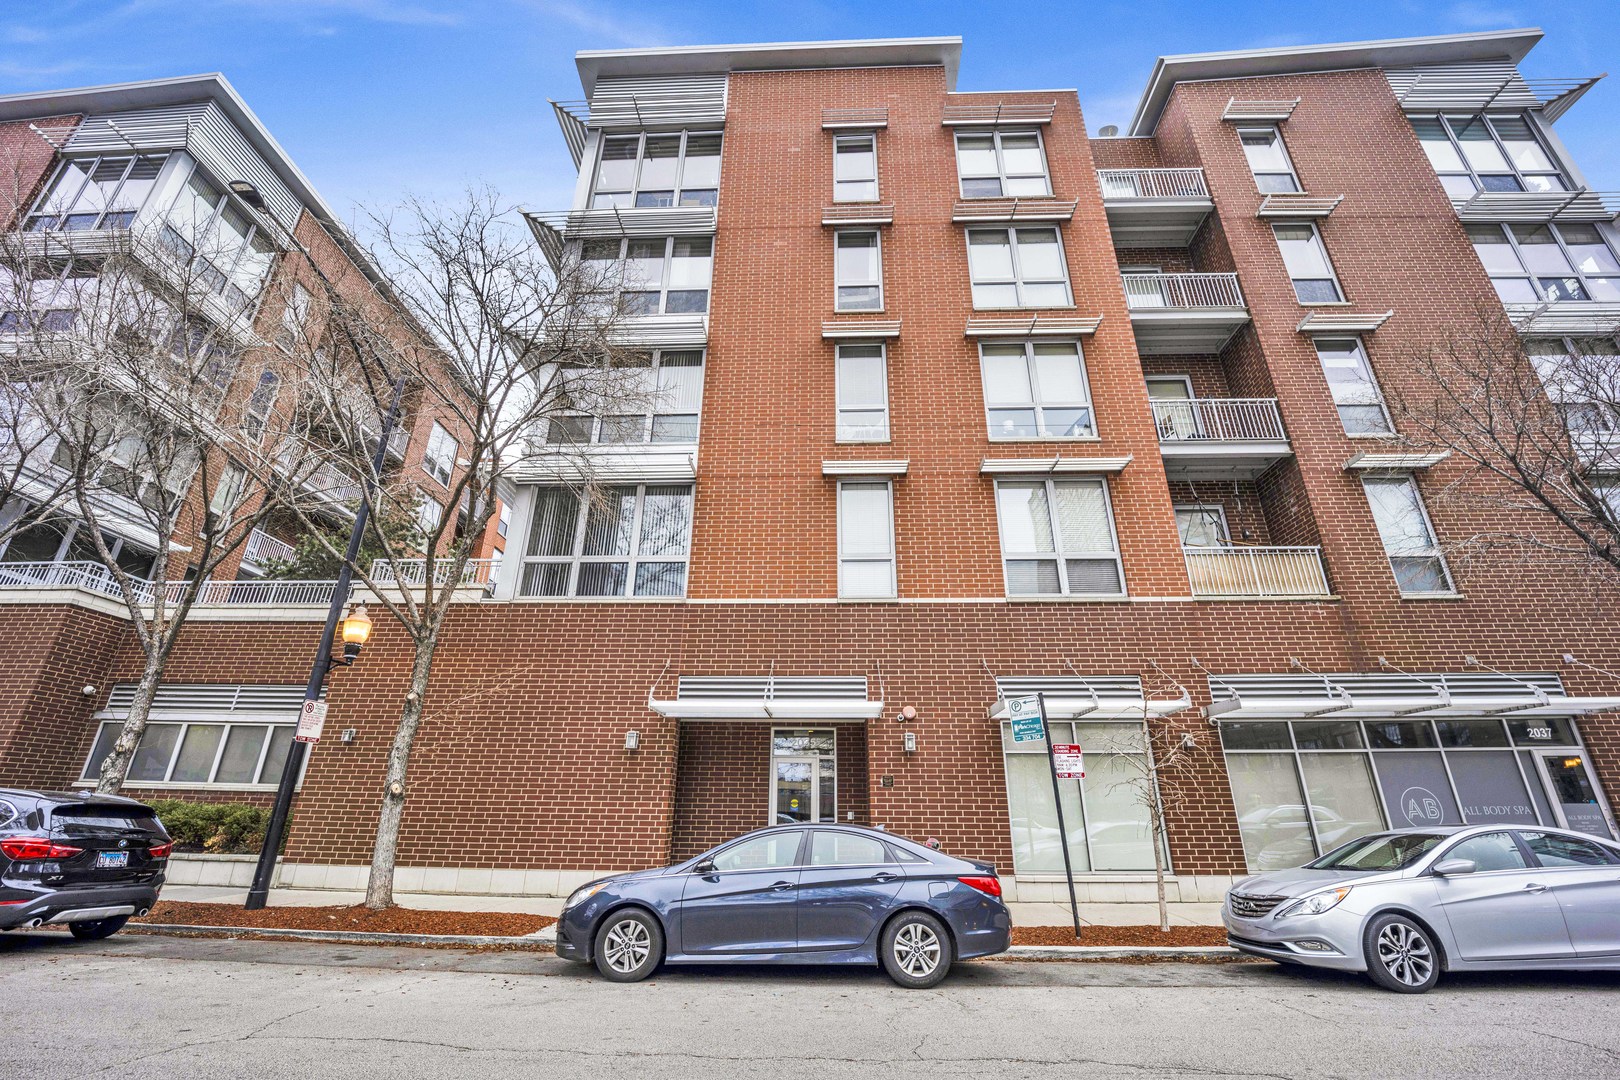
112,860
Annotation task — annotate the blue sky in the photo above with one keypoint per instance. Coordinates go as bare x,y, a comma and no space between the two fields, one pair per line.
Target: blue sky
374,97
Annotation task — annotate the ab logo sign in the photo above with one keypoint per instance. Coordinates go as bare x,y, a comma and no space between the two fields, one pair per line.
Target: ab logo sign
1421,807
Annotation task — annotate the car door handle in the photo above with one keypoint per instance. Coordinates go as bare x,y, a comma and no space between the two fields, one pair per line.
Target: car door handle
780,885
1535,887
884,876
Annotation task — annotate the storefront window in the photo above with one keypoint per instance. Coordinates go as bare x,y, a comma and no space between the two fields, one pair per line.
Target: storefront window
1107,819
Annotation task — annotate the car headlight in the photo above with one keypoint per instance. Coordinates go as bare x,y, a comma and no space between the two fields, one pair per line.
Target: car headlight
582,894
1316,903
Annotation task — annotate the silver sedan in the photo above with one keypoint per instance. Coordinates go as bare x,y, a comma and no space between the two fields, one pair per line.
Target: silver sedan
1404,906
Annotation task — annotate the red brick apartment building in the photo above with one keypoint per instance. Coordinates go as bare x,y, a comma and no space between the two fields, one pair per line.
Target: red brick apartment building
963,404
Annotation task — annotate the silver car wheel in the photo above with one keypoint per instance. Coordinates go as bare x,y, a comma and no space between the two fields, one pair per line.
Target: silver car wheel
627,945
917,950
1405,954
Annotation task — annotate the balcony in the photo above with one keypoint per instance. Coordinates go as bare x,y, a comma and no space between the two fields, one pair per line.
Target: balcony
1219,438
1178,314
262,549
1154,207
1256,573
93,577
476,573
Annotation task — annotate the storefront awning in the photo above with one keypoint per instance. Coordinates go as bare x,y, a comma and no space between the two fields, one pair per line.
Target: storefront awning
1358,696
839,697
1077,697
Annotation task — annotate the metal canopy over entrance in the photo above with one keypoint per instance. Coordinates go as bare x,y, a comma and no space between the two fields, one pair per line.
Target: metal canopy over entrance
1086,697
769,697
1352,696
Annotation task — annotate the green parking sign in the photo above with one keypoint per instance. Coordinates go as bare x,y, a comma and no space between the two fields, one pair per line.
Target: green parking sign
1025,714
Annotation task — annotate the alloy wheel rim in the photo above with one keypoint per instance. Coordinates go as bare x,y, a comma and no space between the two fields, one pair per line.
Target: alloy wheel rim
917,950
627,946
1405,954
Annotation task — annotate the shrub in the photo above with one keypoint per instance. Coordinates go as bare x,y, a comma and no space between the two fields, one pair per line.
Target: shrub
217,828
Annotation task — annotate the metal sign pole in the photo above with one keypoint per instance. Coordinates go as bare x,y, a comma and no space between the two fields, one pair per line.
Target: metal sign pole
1057,798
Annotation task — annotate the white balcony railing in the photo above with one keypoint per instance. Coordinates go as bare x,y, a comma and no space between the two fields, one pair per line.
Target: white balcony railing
414,571
262,548
1218,420
1264,572
94,577
1152,183
1145,292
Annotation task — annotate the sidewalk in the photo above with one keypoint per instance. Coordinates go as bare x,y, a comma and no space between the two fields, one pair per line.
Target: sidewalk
1022,914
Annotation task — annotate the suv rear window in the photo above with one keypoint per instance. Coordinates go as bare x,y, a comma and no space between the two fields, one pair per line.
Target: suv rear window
104,817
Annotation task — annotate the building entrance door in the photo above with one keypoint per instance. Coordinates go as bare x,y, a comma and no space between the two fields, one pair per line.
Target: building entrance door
796,790
1574,795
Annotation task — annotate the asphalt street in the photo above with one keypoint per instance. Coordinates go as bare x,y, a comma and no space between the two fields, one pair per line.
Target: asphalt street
138,1006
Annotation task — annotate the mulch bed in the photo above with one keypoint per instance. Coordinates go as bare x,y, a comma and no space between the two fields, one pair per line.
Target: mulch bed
395,920
1120,936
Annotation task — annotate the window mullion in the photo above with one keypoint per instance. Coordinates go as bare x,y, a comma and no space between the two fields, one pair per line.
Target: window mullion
174,755
1017,265
219,751
1057,537
264,752
578,551
634,554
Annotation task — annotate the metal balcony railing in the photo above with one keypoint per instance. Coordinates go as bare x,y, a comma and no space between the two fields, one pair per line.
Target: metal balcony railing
414,571
262,548
1263,572
94,577
1152,183
1144,292
1218,420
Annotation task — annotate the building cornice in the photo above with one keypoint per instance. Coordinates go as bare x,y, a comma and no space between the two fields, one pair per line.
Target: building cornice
943,52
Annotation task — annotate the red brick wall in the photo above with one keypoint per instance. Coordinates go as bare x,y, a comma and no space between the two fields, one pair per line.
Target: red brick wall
26,160
52,653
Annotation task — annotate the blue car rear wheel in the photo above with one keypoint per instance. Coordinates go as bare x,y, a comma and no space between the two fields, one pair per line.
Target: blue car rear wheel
915,950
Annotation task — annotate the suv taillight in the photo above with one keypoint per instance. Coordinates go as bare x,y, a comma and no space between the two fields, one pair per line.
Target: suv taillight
161,851
35,847
990,886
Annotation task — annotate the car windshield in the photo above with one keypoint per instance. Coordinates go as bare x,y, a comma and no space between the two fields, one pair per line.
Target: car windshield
1371,854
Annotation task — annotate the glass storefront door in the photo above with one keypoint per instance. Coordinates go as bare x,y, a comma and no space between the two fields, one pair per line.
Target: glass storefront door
1574,794
795,790
804,775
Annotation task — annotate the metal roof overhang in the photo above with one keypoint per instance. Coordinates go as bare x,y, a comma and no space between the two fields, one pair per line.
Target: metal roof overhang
1440,706
766,708
1100,708
945,52
1304,59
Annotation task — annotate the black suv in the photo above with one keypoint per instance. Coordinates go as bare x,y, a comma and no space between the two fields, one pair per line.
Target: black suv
90,861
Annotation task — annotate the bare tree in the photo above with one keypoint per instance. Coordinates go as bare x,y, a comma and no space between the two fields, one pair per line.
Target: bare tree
126,354
494,342
1537,422
1157,768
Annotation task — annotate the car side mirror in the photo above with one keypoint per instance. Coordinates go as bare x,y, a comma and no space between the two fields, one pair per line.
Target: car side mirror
1455,867
704,867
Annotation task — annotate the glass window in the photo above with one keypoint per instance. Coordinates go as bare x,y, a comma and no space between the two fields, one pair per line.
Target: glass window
658,170
1552,849
1377,854
1532,263
863,394
1343,800
1489,852
439,460
768,851
846,849
855,177
1268,160
256,414
1409,541
1491,788
1017,268
228,492
1270,810
865,540
1327,734
858,271
1249,735
1354,389
667,382
634,542
1399,734
1498,153
1471,733
1201,526
199,754
657,276
1542,731
1036,390
1057,538
1307,262
96,193
244,746
993,164
429,514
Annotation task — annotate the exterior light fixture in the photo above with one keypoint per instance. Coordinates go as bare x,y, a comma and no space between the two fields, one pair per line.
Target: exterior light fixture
356,629
632,739
249,194
910,742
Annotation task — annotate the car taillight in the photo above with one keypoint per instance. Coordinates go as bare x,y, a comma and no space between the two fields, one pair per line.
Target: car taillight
36,847
161,851
990,886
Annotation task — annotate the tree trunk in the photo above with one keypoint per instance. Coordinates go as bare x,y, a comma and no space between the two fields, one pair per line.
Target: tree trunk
115,769
1158,865
380,884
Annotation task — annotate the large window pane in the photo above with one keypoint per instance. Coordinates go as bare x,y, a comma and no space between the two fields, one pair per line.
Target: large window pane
240,761
1082,515
1026,522
607,525
1343,802
1416,789
1270,811
1036,840
1491,788
196,760
151,761
556,512
105,737
1118,822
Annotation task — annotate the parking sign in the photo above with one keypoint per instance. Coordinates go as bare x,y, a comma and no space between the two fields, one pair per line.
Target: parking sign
1025,714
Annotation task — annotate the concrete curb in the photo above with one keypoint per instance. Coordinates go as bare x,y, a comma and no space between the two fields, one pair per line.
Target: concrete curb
532,942
1119,952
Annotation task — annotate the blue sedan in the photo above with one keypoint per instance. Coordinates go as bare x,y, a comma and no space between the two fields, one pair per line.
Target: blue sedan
793,894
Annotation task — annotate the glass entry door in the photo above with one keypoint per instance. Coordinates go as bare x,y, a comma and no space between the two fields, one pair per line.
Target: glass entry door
796,790
1574,795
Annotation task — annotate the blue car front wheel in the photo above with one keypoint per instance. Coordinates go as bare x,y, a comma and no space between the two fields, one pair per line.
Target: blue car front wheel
629,945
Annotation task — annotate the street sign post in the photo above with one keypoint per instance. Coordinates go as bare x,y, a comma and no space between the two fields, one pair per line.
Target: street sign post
311,721
1057,798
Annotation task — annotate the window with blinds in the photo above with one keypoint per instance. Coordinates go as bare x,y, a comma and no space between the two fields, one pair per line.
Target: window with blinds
1057,538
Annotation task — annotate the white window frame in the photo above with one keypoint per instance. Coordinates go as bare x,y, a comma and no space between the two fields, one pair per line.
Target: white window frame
1058,552
839,285
890,559
1602,418
232,480
844,432
576,557
634,192
1001,175
60,174
839,185
1321,243
1535,279
1039,405
1215,511
1449,124
185,722
1282,147
503,520
663,285
429,513
1375,393
179,173
1017,281
438,464
1433,551
649,418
